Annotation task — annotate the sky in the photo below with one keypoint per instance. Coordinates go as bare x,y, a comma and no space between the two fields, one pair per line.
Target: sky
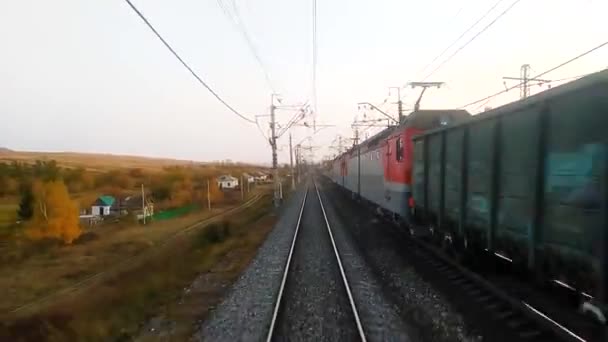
89,76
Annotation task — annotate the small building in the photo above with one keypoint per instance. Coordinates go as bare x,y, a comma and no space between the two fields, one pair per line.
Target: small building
227,182
248,178
103,205
135,204
261,177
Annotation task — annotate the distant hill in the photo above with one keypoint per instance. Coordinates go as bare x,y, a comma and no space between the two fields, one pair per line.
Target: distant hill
96,161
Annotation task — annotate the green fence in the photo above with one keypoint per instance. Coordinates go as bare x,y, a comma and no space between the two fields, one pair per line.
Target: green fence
173,213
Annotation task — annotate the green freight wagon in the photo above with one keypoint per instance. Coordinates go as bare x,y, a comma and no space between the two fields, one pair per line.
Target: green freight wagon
527,182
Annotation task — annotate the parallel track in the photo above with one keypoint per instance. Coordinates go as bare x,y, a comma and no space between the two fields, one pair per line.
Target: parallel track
127,262
524,321
280,299
484,299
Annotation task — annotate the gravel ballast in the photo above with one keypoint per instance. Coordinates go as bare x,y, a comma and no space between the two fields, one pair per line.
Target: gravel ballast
379,316
414,300
315,305
245,313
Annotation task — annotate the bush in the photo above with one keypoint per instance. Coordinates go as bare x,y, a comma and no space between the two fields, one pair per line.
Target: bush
213,233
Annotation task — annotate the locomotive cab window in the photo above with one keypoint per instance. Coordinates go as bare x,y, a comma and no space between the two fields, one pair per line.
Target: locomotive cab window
399,149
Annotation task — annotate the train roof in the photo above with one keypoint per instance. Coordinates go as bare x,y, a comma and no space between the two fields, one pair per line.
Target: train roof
423,119
582,83
428,118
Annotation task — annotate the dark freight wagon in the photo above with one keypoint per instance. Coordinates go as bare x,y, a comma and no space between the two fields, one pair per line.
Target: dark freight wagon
527,182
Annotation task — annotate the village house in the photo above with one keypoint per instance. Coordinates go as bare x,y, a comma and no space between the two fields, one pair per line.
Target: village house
248,178
227,182
134,204
103,205
108,205
261,177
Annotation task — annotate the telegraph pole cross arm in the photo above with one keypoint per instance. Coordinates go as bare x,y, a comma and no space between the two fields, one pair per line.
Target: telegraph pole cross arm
424,86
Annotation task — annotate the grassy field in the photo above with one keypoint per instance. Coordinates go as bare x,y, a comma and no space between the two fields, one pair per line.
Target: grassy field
115,308
8,214
31,271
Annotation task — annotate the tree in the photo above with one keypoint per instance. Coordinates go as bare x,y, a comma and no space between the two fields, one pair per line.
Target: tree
55,214
26,205
8,186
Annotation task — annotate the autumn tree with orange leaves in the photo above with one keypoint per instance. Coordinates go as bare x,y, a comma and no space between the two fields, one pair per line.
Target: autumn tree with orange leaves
55,214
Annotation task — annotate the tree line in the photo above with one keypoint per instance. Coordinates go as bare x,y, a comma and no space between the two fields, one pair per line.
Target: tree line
47,208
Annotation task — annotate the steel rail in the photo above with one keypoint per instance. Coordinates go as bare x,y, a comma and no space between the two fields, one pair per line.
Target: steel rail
344,279
275,313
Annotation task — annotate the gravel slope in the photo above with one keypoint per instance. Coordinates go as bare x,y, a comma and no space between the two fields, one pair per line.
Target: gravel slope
315,306
414,300
245,313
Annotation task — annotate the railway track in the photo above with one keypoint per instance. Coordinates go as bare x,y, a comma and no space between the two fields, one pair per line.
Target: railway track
125,263
507,313
500,315
314,301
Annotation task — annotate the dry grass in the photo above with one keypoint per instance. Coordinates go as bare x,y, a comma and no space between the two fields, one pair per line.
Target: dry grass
31,271
115,308
96,162
8,214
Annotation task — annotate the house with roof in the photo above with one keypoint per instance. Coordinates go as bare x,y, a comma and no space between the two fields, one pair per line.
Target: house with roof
248,178
227,182
261,177
136,204
103,205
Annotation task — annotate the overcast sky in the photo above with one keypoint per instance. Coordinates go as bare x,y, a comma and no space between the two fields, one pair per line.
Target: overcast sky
84,75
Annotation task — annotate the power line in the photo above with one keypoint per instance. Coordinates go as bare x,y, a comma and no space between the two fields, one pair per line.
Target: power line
570,78
235,17
186,65
298,115
314,56
540,75
473,38
462,35
257,124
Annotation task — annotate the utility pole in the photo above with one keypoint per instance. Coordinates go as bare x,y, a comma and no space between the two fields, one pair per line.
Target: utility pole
424,86
339,144
208,194
524,79
293,180
242,189
399,102
298,162
273,143
143,202
523,73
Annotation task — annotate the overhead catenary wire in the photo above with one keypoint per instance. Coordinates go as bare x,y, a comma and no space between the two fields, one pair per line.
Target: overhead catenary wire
234,16
198,78
266,138
298,115
462,35
540,75
314,57
472,39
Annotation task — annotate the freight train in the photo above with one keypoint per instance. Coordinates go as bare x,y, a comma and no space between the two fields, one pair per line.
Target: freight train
526,182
